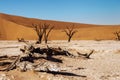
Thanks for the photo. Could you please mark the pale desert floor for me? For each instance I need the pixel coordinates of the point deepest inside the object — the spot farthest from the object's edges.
(103, 65)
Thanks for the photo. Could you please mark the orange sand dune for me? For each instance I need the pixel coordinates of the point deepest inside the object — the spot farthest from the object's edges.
(12, 31)
(13, 27)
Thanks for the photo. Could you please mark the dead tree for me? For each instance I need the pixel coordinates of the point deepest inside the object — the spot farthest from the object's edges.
(46, 31)
(87, 55)
(20, 39)
(70, 31)
(39, 31)
(117, 35)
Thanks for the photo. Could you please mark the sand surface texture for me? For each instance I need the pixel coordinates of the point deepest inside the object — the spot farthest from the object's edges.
(104, 63)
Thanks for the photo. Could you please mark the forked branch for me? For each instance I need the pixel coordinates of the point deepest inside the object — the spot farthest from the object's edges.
(70, 31)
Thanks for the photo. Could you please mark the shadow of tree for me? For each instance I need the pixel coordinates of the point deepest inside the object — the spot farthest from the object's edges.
(64, 73)
(49, 58)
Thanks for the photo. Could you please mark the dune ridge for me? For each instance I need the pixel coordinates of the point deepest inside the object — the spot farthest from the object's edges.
(13, 27)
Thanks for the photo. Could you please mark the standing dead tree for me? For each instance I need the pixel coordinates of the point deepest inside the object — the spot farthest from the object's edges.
(70, 31)
(46, 30)
(42, 30)
(117, 34)
(39, 30)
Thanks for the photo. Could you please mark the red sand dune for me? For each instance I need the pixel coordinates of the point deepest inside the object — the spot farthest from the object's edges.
(13, 27)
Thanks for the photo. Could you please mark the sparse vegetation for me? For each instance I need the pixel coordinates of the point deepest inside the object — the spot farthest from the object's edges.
(39, 30)
(46, 31)
(42, 30)
(117, 35)
(70, 31)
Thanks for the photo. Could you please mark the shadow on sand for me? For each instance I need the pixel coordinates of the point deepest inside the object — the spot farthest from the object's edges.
(64, 73)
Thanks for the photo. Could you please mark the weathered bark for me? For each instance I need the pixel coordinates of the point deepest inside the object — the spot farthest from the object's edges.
(12, 65)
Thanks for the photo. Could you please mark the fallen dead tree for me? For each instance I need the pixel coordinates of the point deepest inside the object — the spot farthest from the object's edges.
(50, 64)
(87, 55)
(12, 65)
(49, 51)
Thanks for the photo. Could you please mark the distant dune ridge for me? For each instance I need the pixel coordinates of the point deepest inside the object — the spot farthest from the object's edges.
(13, 27)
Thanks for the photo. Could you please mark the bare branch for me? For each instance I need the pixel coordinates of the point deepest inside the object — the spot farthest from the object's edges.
(70, 31)
(50, 30)
(39, 31)
(46, 34)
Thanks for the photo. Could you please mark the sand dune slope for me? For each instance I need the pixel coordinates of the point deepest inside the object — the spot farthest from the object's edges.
(13, 27)
(12, 31)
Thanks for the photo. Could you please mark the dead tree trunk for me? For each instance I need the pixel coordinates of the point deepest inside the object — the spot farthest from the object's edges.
(69, 38)
(40, 39)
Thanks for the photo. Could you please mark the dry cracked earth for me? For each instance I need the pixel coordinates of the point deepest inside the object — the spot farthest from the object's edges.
(104, 63)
